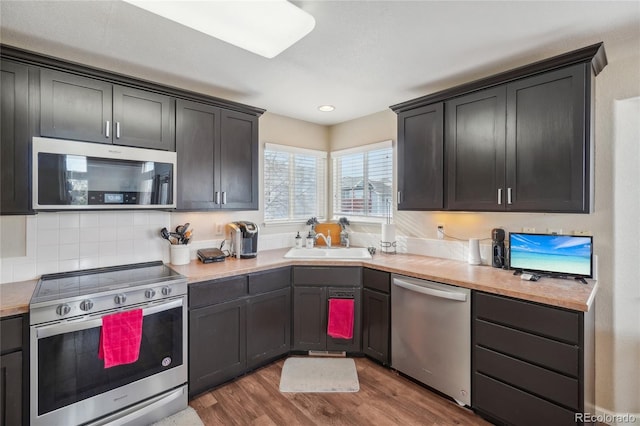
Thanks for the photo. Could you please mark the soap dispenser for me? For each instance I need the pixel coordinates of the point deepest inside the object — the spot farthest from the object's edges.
(298, 240)
(310, 240)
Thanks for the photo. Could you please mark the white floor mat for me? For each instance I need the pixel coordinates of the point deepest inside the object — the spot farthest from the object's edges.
(319, 375)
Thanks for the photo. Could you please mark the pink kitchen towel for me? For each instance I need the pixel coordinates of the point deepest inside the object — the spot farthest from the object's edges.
(340, 324)
(120, 338)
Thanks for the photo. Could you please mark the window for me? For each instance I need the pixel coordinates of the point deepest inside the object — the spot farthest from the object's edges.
(294, 183)
(363, 181)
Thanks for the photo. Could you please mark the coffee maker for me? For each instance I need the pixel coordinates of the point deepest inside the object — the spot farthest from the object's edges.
(497, 247)
(244, 239)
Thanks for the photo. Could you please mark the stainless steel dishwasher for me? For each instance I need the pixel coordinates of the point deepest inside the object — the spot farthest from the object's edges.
(431, 335)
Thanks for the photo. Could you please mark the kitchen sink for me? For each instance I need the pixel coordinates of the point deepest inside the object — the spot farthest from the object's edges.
(337, 253)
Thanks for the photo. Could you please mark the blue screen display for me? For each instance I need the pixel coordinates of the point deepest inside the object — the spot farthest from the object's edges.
(558, 254)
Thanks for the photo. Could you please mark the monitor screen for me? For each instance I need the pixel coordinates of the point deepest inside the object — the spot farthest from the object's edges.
(554, 254)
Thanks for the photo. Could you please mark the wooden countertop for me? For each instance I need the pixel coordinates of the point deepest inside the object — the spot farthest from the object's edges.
(15, 297)
(570, 294)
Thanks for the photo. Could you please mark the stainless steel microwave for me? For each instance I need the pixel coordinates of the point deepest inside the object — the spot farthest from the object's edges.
(69, 175)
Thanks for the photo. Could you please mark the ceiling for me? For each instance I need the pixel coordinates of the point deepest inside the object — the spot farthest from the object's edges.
(361, 57)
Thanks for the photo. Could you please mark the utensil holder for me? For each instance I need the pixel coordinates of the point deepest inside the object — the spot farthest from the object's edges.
(474, 252)
(180, 254)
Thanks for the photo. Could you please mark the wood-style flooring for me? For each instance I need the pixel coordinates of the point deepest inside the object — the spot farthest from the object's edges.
(385, 398)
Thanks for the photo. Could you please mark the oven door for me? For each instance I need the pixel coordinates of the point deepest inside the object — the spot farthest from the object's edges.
(69, 384)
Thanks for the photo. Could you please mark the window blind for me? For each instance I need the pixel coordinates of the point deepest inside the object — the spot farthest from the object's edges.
(363, 181)
(294, 183)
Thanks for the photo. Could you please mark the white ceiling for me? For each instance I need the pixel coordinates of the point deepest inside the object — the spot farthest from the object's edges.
(361, 57)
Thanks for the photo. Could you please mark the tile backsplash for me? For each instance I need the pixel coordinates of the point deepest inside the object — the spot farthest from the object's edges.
(67, 241)
(60, 242)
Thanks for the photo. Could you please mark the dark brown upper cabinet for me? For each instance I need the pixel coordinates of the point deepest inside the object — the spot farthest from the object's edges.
(420, 158)
(217, 158)
(475, 146)
(14, 139)
(520, 146)
(548, 156)
(92, 110)
(517, 141)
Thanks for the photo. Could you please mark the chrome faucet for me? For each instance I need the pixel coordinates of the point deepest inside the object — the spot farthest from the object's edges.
(327, 240)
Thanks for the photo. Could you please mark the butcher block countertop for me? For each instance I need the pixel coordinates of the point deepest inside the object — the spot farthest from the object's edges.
(570, 294)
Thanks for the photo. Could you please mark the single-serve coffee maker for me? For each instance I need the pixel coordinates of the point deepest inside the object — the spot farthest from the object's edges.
(243, 236)
(498, 256)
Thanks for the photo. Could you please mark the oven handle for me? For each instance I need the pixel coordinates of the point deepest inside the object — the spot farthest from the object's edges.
(85, 323)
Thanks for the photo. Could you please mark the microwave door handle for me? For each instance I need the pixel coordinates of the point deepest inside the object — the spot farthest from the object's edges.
(92, 321)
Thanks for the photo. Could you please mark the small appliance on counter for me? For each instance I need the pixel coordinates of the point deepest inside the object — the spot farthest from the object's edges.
(244, 239)
(210, 255)
(497, 247)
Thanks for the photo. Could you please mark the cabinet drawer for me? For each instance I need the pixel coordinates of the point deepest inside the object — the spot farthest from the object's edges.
(10, 334)
(264, 282)
(544, 320)
(327, 275)
(212, 292)
(539, 350)
(556, 387)
(516, 407)
(376, 280)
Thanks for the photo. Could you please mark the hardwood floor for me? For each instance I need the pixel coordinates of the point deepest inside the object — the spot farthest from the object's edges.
(385, 398)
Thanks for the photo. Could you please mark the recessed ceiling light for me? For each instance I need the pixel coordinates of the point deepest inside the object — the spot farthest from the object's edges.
(263, 27)
(326, 108)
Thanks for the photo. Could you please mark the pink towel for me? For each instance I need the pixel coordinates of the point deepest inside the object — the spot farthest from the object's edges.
(340, 324)
(120, 338)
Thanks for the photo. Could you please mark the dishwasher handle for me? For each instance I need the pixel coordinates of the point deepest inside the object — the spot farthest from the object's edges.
(460, 297)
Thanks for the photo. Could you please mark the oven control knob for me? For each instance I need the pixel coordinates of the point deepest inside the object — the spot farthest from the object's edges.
(150, 293)
(166, 291)
(86, 305)
(63, 309)
(120, 299)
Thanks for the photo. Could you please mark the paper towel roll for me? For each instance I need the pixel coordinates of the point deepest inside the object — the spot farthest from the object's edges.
(388, 238)
(474, 252)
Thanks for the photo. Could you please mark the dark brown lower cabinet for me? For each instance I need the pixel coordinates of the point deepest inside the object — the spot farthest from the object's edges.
(13, 372)
(313, 286)
(376, 315)
(218, 349)
(268, 326)
(237, 324)
(532, 363)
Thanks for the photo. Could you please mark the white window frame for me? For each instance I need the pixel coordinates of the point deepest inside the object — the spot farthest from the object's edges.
(321, 190)
(357, 150)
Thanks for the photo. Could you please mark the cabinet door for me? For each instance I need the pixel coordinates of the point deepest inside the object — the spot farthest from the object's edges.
(74, 107)
(197, 137)
(309, 318)
(475, 147)
(217, 344)
(143, 119)
(547, 146)
(239, 161)
(268, 326)
(420, 159)
(376, 325)
(14, 139)
(11, 389)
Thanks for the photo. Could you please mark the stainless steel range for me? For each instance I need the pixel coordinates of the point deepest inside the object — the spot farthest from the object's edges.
(69, 383)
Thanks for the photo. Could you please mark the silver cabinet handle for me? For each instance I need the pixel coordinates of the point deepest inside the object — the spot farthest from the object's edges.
(216, 199)
(461, 297)
(106, 129)
(499, 195)
(399, 197)
(508, 195)
(224, 197)
(117, 130)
